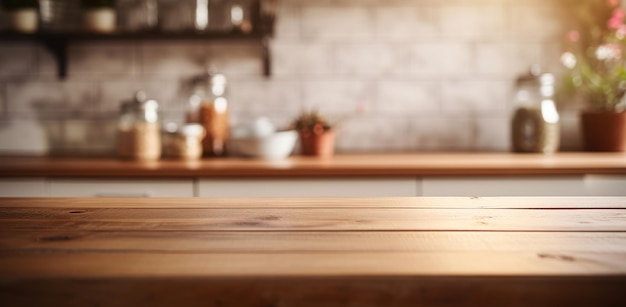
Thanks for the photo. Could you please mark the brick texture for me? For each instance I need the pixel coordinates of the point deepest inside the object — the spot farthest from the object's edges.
(430, 75)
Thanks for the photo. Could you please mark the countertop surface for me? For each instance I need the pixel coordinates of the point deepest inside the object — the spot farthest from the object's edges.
(418, 164)
(313, 252)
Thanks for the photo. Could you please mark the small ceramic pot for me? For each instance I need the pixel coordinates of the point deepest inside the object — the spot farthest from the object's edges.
(23, 20)
(318, 144)
(101, 20)
(604, 131)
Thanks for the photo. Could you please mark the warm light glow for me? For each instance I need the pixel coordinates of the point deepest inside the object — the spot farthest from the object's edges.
(568, 59)
(236, 15)
(202, 14)
(220, 105)
(548, 110)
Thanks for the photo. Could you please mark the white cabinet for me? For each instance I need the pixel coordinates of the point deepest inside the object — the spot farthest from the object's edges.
(582, 185)
(120, 188)
(605, 185)
(23, 187)
(574, 185)
(309, 187)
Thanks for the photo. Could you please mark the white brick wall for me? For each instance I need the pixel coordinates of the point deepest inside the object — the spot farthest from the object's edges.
(432, 75)
(18, 60)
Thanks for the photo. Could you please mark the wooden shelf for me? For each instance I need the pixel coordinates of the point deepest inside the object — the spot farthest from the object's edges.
(57, 42)
(369, 165)
(79, 36)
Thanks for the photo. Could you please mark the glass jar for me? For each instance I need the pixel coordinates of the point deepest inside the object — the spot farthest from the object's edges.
(535, 124)
(201, 15)
(59, 15)
(99, 16)
(209, 107)
(138, 131)
(140, 15)
(239, 19)
(184, 142)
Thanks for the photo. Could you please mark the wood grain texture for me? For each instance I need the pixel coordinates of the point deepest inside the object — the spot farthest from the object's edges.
(313, 252)
(34, 242)
(310, 264)
(504, 203)
(421, 164)
(378, 219)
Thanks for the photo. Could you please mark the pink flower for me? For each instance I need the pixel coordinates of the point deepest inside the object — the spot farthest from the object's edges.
(618, 13)
(573, 36)
(617, 19)
(614, 24)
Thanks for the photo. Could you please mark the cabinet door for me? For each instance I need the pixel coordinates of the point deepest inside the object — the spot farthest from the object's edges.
(504, 186)
(23, 187)
(120, 188)
(605, 185)
(322, 187)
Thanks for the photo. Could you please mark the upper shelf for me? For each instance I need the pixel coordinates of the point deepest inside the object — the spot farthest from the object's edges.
(82, 36)
(57, 42)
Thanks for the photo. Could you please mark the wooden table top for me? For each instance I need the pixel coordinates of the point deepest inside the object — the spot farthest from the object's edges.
(313, 252)
(419, 164)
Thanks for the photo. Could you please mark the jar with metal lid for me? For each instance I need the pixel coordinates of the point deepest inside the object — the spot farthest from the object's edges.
(535, 124)
(138, 131)
(209, 107)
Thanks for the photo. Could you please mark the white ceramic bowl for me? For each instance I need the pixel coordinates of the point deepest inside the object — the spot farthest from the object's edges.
(278, 145)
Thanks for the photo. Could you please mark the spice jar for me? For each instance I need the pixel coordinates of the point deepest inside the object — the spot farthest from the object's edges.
(209, 99)
(183, 142)
(138, 132)
(239, 18)
(535, 125)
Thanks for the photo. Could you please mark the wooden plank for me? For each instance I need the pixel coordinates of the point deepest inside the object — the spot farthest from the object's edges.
(327, 292)
(309, 219)
(340, 165)
(300, 242)
(309, 265)
(263, 252)
(329, 202)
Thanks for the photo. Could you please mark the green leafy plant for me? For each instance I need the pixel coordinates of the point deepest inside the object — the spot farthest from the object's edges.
(595, 55)
(92, 4)
(13, 5)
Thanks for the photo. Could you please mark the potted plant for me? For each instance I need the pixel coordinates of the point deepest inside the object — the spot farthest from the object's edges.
(317, 137)
(597, 72)
(99, 15)
(21, 15)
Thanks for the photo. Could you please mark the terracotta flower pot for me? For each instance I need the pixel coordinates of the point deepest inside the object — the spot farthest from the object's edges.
(318, 144)
(604, 131)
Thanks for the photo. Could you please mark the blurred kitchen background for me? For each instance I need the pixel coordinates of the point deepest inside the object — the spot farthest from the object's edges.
(428, 75)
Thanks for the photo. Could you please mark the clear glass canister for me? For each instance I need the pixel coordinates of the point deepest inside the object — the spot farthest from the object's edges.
(239, 16)
(209, 107)
(138, 131)
(140, 15)
(535, 124)
(184, 143)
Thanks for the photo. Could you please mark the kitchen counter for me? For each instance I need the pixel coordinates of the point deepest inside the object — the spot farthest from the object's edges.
(419, 164)
(313, 252)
